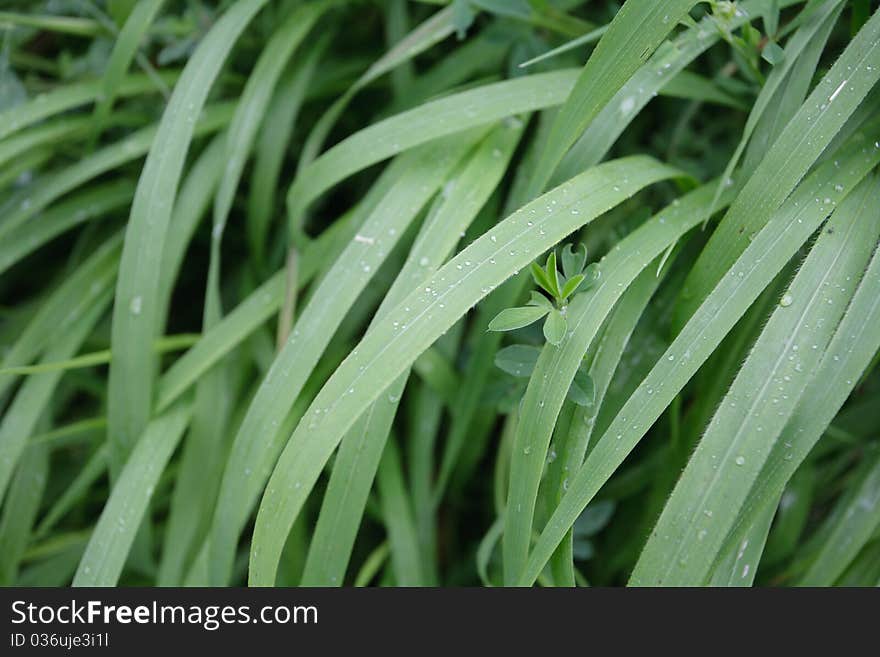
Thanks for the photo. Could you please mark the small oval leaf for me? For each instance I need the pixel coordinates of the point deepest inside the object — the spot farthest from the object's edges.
(514, 318)
(555, 327)
(573, 261)
(518, 359)
(582, 390)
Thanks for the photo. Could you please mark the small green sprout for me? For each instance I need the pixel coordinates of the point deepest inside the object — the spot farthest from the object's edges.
(750, 45)
(576, 276)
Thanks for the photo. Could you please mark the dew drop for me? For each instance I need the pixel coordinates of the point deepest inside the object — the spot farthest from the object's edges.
(136, 305)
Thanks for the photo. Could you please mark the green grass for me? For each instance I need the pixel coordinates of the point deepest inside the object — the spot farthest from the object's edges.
(337, 292)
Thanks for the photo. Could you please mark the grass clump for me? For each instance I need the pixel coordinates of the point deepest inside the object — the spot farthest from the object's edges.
(326, 292)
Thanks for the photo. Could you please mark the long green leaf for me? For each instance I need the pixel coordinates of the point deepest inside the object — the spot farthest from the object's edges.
(731, 454)
(22, 505)
(30, 402)
(849, 528)
(810, 38)
(68, 97)
(604, 360)
(636, 31)
(257, 442)
(255, 98)
(111, 541)
(135, 319)
(95, 203)
(433, 30)
(362, 447)
(124, 50)
(856, 339)
(432, 120)
(73, 298)
(416, 323)
(402, 538)
(557, 365)
(763, 258)
(821, 116)
(52, 187)
(272, 143)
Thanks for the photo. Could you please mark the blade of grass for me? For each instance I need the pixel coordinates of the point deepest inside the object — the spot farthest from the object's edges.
(717, 374)
(604, 359)
(113, 536)
(808, 41)
(57, 131)
(557, 366)
(636, 31)
(190, 206)
(738, 563)
(56, 570)
(849, 528)
(125, 48)
(20, 419)
(161, 345)
(479, 54)
(249, 315)
(256, 96)
(72, 433)
(432, 31)
(821, 116)
(362, 447)
(372, 565)
(483, 344)
(402, 539)
(664, 66)
(772, 247)
(204, 451)
(788, 100)
(135, 316)
(73, 25)
(108, 158)
(92, 204)
(93, 468)
(857, 338)
(585, 39)
(67, 97)
(691, 86)
(20, 511)
(792, 515)
(865, 570)
(420, 320)
(438, 118)
(72, 299)
(702, 508)
(272, 143)
(257, 444)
